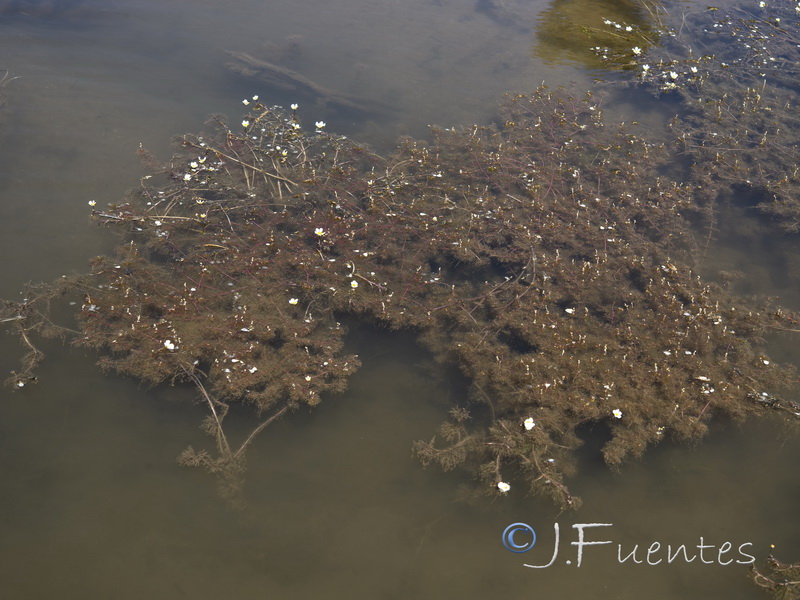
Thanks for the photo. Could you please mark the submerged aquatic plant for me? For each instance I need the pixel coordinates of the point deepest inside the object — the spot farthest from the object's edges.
(735, 74)
(551, 258)
(782, 580)
(546, 258)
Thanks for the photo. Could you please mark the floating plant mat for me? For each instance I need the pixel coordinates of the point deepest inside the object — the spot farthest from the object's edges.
(546, 259)
(735, 73)
(549, 258)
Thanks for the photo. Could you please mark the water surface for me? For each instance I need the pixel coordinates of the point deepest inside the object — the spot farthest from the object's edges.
(92, 501)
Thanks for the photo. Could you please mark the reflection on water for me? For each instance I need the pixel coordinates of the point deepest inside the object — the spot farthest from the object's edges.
(93, 504)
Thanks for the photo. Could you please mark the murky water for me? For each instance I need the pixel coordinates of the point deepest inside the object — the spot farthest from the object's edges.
(92, 502)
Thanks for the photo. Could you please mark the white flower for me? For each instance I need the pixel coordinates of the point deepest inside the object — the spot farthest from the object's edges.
(294, 106)
(319, 124)
(20, 384)
(354, 284)
(569, 311)
(293, 300)
(169, 345)
(693, 69)
(636, 50)
(193, 164)
(187, 177)
(245, 123)
(319, 231)
(92, 203)
(529, 424)
(245, 101)
(503, 486)
(673, 74)
(645, 68)
(255, 98)
(617, 413)
(308, 378)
